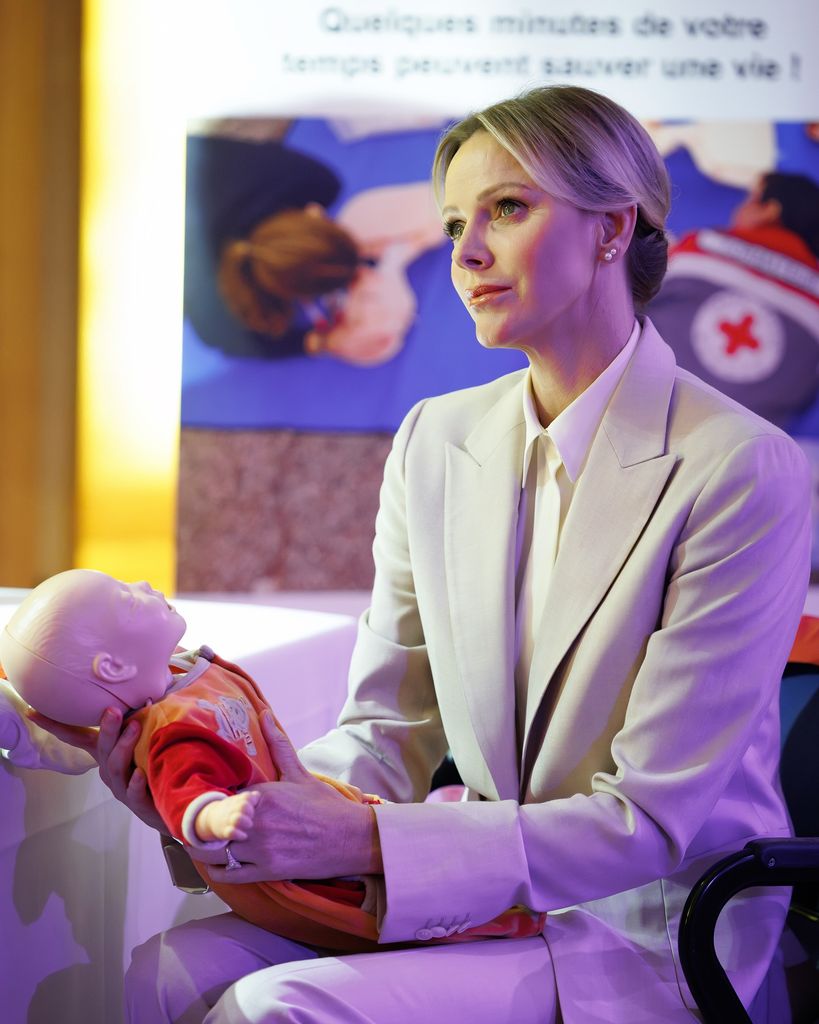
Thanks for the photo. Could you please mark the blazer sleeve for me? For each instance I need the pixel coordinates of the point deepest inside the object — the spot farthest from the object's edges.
(736, 586)
(389, 738)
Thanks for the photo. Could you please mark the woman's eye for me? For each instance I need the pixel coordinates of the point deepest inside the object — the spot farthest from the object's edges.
(506, 207)
(453, 229)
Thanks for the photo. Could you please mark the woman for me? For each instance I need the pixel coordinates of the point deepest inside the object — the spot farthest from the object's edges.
(593, 617)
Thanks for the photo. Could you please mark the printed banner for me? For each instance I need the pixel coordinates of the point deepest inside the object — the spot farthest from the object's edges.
(272, 202)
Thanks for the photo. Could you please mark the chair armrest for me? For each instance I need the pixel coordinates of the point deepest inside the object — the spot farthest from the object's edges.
(761, 862)
(790, 855)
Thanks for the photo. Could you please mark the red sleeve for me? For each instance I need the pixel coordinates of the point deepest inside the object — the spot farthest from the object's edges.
(185, 761)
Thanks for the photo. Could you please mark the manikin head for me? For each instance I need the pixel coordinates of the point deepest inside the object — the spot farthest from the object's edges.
(83, 641)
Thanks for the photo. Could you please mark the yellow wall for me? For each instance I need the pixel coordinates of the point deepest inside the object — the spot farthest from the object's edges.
(39, 146)
(91, 201)
(130, 293)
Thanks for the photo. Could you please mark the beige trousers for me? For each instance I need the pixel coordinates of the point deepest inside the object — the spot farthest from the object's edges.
(222, 970)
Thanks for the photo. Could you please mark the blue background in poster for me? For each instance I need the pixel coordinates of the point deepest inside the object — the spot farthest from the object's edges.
(440, 353)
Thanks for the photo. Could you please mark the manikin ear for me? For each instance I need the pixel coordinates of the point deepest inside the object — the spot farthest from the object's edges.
(617, 227)
(111, 670)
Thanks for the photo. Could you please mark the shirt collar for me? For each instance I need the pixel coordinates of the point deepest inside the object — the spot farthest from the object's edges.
(572, 432)
(189, 665)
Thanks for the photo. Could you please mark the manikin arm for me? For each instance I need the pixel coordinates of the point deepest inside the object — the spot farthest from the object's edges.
(27, 745)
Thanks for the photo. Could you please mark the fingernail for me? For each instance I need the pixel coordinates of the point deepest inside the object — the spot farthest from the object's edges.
(131, 729)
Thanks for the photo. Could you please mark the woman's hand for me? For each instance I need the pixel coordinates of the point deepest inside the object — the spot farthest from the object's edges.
(112, 747)
(24, 744)
(303, 828)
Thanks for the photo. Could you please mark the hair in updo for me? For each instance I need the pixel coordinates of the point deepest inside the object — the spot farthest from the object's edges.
(293, 255)
(585, 149)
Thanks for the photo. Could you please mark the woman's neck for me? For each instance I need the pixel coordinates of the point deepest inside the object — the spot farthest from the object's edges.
(563, 368)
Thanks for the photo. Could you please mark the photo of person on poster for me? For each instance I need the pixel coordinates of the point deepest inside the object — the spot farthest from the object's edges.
(740, 304)
(295, 280)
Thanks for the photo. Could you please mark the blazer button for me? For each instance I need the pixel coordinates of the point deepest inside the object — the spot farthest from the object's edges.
(437, 932)
(424, 934)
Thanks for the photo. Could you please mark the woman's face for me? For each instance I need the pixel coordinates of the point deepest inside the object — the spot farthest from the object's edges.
(523, 262)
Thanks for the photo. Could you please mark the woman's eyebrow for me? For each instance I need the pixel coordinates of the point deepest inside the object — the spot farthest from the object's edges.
(501, 186)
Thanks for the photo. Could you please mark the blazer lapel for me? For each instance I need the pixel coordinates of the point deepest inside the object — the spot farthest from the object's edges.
(626, 471)
(480, 508)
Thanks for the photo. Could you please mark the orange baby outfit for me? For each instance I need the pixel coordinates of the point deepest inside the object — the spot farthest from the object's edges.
(205, 736)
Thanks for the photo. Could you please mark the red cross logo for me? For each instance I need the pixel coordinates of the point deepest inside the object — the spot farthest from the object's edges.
(736, 338)
(738, 335)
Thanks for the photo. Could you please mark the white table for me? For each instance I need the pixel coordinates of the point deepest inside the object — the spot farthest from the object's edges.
(82, 881)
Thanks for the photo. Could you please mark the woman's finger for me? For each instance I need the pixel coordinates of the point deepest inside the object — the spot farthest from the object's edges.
(235, 876)
(139, 800)
(109, 732)
(282, 750)
(116, 753)
(80, 736)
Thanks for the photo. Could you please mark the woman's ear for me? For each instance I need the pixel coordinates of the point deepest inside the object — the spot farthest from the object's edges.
(110, 669)
(617, 227)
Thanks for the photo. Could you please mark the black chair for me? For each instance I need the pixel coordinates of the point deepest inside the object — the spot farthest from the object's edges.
(789, 862)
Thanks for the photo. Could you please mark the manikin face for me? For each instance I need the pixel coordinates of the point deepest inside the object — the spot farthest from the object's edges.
(141, 630)
(82, 641)
(523, 261)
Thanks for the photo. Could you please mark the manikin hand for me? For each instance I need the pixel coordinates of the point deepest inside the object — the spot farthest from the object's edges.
(303, 828)
(227, 819)
(112, 747)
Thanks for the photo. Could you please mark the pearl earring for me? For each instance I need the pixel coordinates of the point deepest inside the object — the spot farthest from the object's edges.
(609, 256)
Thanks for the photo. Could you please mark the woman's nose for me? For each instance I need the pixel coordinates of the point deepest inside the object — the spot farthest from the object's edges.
(471, 251)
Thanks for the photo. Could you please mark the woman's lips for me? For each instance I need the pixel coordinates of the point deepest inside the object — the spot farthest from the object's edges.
(484, 293)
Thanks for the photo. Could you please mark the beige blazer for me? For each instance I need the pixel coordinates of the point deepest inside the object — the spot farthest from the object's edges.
(651, 742)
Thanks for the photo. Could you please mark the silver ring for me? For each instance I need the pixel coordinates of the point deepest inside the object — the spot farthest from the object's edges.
(231, 863)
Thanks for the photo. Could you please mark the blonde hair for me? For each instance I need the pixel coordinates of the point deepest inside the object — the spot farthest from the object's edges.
(585, 149)
(293, 255)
